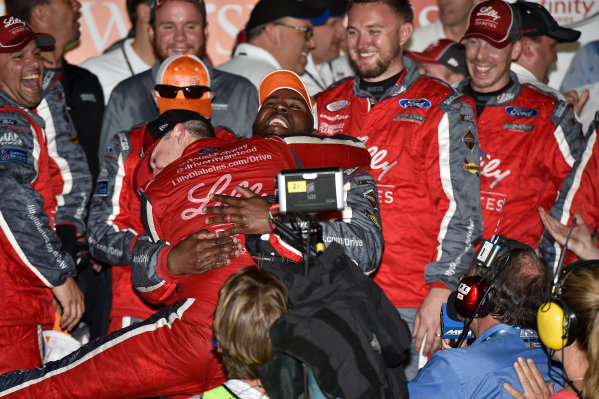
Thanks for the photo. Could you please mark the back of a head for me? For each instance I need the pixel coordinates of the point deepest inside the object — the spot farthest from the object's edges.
(22, 8)
(132, 9)
(520, 287)
(249, 302)
(401, 7)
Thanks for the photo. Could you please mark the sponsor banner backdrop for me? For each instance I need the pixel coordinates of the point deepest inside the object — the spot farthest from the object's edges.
(105, 21)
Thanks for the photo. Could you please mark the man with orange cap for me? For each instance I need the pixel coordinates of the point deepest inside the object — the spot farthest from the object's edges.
(182, 82)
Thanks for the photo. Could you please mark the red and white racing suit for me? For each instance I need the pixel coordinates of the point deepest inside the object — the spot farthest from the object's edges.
(580, 191)
(423, 141)
(30, 252)
(115, 222)
(529, 142)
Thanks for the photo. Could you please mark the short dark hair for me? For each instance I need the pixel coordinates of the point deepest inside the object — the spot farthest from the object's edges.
(22, 8)
(403, 8)
(521, 285)
(249, 302)
(199, 128)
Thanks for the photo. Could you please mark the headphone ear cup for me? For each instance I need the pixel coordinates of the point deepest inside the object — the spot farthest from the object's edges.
(556, 324)
(470, 293)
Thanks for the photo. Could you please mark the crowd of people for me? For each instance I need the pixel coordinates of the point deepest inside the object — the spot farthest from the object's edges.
(140, 208)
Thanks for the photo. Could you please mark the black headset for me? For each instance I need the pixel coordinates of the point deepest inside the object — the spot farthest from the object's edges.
(474, 296)
(556, 322)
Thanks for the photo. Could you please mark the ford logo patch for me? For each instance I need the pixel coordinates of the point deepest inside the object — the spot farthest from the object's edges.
(519, 112)
(209, 149)
(415, 103)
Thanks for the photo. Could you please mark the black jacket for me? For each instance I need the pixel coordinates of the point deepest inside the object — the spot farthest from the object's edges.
(343, 327)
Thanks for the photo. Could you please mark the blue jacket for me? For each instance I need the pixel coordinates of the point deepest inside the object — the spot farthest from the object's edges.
(479, 370)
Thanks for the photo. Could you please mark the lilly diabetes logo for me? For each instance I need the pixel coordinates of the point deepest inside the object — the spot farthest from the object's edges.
(519, 112)
(415, 103)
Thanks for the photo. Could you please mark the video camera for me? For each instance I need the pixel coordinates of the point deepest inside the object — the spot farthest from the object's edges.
(310, 190)
(302, 193)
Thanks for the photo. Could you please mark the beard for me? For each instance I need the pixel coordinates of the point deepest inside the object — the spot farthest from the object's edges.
(380, 67)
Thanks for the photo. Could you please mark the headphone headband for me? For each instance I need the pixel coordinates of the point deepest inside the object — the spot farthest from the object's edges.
(556, 322)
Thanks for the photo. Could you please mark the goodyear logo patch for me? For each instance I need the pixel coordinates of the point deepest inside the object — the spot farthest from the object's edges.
(470, 167)
(415, 103)
(519, 112)
(102, 188)
(336, 105)
(208, 150)
(469, 140)
(13, 154)
(410, 117)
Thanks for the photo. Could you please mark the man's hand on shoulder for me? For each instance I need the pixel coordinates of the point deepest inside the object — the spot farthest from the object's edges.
(428, 321)
(201, 252)
(70, 303)
(249, 215)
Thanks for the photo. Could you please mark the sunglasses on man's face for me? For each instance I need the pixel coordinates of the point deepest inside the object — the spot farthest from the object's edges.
(190, 92)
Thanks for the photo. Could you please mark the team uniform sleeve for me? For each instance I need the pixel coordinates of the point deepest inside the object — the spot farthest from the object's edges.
(360, 231)
(68, 156)
(113, 121)
(579, 191)
(109, 233)
(457, 199)
(26, 233)
(150, 273)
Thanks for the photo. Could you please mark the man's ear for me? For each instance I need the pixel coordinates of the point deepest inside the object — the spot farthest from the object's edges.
(272, 32)
(39, 15)
(516, 50)
(179, 133)
(151, 34)
(155, 97)
(525, 44)
(405, 31)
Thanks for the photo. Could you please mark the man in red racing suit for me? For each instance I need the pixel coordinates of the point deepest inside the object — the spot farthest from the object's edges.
(423, 140)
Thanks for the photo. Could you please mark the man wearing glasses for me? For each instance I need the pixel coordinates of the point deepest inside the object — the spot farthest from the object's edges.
(279, 36)
(178, 27)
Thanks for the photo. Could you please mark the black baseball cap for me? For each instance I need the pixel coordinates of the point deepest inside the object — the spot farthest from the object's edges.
(537, 21)
(337, 8)
(266, 11)
(169, 119)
